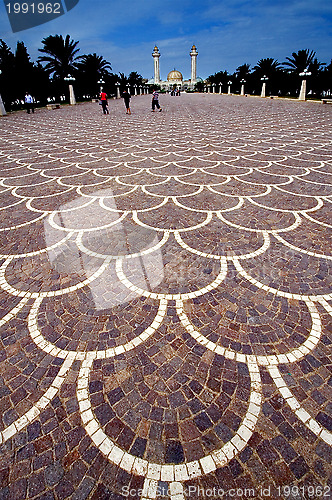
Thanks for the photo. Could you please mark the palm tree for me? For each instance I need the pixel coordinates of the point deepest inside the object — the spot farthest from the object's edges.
(243, 71)
(219, 77)
(61, 55)
(123, 81)
(90, 69)
(134, 78)
(329, 67)
(94, 65)
(271, 69)
(315, 67)
(300, 60)
(267, 66)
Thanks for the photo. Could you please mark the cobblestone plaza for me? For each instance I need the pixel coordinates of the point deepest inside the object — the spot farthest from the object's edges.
(166, 301)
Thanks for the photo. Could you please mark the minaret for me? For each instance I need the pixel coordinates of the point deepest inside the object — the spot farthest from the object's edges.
(193, 55)
(156, 55)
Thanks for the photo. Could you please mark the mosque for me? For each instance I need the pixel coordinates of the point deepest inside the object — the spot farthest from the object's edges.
(174, 77)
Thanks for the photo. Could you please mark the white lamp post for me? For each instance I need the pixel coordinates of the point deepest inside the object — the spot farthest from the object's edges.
(135, 89)
(72, 99)
(2, 107)
(117, 90)
(242, 86)
(220, 84)
(229, 86)
(213, 88)
(303, 90)
(101, 82)
(140, 90)
(264, 79)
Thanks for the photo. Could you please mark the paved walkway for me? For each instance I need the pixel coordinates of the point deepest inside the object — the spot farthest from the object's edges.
(166, 301)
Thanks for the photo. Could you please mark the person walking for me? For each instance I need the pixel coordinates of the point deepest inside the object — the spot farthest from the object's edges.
(126, 97)
(28, 99)
(155, 100)
(104, 103)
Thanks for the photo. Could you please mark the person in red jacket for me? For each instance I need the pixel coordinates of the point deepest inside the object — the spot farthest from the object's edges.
(104, 103)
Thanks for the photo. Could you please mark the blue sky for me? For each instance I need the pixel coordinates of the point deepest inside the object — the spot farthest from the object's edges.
(227, 33)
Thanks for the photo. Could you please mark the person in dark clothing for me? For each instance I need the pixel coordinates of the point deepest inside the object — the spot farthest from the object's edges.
(104, 103)
(126, 97)
(155, 100)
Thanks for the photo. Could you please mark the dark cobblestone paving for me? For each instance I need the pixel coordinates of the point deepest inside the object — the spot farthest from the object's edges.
(165, 301)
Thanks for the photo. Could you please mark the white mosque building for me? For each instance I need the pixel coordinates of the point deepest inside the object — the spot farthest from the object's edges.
(174, 77)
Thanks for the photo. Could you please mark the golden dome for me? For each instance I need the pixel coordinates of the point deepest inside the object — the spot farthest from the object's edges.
(174, 75)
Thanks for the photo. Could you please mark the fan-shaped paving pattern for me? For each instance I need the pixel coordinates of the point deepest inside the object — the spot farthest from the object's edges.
(249, 321)
(164, 404)
(165, 298)
(289, 270)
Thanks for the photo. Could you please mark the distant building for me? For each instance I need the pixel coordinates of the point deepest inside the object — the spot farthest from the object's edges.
(174, 77)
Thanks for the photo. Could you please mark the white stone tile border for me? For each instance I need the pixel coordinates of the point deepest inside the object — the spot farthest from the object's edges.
(11, 314)
(22, 200)
(283, 210)
(163, 180)
(171, 473)
(272, 361)
(297, 408)
(282, 183)
(117, 177)
(155, 207)
(169, 296)
(196, 210)
(150, 209)
(191, 228)
(259, 195)
(327, 306)
(86, 230)
(150, 490)
(25, 293)
(16, 186)
(295, 224)
(33, 198)
(37, 252)
(182, 178)
(251, 156)
(69, 357)
(41, 404)
(9, 228)
(302, 195)
(250, 255)
(317, 221)
(55, 351)
(176, 490)
(292, 356)
(275, 291)
(259, 170)
(314, 182)
(301, 250)
(146, 251)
